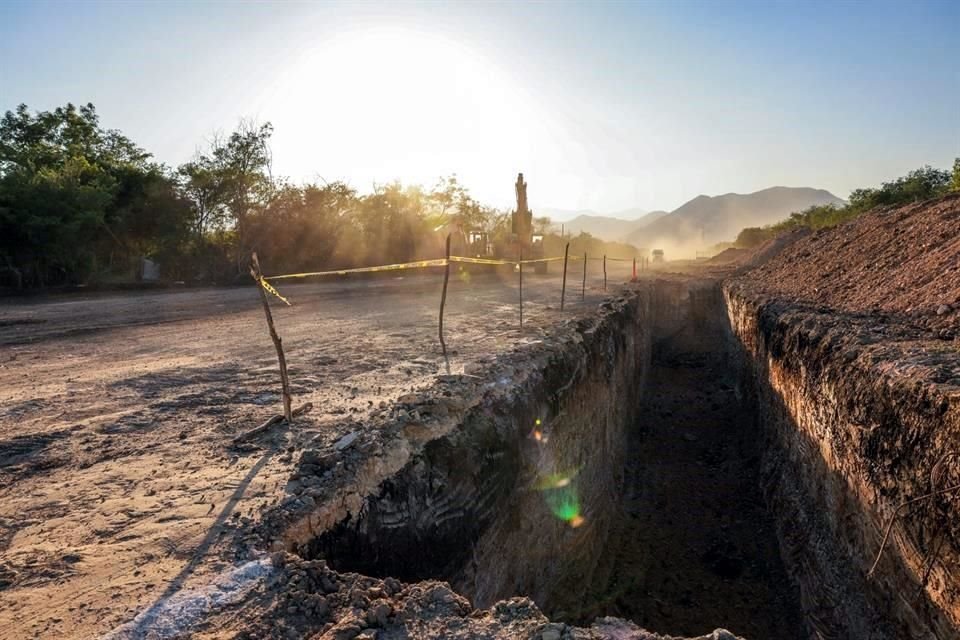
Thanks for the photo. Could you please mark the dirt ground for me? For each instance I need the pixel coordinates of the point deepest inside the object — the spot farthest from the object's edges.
(119, 484)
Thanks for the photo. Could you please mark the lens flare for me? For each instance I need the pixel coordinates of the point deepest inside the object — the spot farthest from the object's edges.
(565, 504)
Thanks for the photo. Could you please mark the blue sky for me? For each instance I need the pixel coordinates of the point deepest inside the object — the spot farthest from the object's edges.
(602, 105)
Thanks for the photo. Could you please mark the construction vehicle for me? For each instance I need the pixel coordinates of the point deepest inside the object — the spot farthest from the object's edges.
(657, 255)
(521, 242)
(522, 236)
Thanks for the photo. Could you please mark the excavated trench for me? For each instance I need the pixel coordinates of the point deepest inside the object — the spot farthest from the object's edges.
(634, 470)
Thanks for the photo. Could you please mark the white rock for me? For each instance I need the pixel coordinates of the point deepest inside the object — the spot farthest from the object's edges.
(346, 441)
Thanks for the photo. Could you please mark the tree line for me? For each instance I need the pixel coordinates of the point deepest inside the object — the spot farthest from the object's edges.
(80, 203)
(920, 184)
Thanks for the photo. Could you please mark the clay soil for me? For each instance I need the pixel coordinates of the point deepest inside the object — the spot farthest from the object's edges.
(119, 480)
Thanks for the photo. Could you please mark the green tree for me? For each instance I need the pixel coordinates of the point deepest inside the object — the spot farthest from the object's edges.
(73, 197)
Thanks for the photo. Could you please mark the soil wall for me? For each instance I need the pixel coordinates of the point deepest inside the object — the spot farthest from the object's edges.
(852, 431)
(512, 494)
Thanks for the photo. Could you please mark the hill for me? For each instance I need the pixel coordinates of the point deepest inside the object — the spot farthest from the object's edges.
(707, 220)
(612, 228)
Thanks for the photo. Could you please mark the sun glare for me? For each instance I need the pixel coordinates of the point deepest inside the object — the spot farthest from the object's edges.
(400, 103)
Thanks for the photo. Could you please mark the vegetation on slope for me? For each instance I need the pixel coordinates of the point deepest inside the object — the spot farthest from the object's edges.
(921, 184)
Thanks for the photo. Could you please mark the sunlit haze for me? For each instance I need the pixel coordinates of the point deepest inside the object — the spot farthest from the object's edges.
(603, 106)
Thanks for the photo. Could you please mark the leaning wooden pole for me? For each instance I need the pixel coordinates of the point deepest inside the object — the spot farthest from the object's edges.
(277, 342)
(604, 272)
(563, 287)
(443, 296)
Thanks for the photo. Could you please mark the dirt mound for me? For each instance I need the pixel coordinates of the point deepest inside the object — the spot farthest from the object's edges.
(771, 248)
(727, 256)
(899, 261)
(307, 599)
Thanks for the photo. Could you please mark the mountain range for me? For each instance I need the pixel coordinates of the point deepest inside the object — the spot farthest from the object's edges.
(700, 223)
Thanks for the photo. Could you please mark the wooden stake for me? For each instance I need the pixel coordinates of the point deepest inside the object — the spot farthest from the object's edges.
(583, 290)
(563, 289)
(284, 379)
(521, 287)
(443, 297)
(604, 272)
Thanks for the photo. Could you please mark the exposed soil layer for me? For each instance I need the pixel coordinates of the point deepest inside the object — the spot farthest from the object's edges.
(852, 336)
(696, 547)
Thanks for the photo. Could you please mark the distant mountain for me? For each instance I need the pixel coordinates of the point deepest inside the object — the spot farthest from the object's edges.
(562, 215)
(613, 227)
(705, 220)
(603, 227)
(651, 217)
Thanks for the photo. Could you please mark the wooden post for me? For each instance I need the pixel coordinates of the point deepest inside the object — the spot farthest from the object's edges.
(604, 272)
(443, 297)
(633, 278)
(583, 290)
(520, 265)
(284, 379)
(563, 289)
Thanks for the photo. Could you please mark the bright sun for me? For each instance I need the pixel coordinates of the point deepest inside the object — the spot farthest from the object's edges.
(390, 102)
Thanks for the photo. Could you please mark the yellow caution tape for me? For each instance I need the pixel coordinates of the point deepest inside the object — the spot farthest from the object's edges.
(480, 260)
(387, 267)
(498, 262)
(439, 262)
(542, 260)
(266, 285)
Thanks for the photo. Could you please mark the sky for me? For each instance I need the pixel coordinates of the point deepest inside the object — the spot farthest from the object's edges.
(603, 106)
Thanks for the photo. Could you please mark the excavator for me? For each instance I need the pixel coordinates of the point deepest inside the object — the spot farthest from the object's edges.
(522, 242)
(522, 236)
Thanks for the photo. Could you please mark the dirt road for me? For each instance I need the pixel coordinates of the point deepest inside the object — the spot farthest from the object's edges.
(118, 481)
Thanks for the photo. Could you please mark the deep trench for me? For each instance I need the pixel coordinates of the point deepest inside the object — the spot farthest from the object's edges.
(690, 545)
(695, 547)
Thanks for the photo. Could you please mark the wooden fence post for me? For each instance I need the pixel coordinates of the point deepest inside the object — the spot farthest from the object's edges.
(284, 379)
(563, 289)
(443, 297)
(604, 272)
(583, 290)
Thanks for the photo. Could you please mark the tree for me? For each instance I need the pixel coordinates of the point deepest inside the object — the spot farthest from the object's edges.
(244, 161)
(73, 196)
(955, 178)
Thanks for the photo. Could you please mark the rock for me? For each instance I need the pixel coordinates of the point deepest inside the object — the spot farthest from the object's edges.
(944, 309)
(379, 613)
(316, 461)
(346, 441)
(552, 631)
